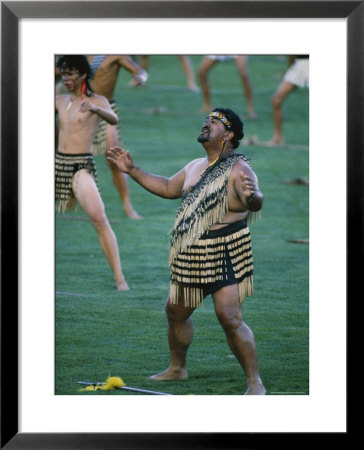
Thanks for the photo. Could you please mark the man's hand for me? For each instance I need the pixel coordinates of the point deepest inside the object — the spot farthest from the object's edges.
(251, 195)
(248, 185)
(120, 158)
(139, 79)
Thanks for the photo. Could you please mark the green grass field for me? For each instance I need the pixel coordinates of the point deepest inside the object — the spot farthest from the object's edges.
(101, 332)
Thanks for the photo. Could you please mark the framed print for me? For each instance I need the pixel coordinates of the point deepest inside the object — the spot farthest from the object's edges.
(32, 416)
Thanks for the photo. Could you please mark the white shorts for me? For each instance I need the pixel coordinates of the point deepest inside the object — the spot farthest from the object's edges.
(221, 58)
(298, 73)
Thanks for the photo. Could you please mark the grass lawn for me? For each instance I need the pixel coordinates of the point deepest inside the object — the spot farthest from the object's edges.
(102, 332)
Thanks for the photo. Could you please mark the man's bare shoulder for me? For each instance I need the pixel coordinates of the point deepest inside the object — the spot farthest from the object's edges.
(194, 162)
(111, 59)
(119, 60)
(242, 165)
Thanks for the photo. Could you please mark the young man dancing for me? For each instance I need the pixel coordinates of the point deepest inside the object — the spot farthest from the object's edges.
(79, 114)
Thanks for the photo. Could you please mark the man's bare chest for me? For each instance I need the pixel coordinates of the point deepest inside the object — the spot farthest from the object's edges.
(193, 175)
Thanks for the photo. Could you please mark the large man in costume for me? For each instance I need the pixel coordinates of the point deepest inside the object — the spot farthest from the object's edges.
(210, 245)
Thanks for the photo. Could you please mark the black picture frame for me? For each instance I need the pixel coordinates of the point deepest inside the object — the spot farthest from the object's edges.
(11, 12)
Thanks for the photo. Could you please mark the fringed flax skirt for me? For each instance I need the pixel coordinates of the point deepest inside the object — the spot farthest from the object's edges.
(99, 146)
(219, 258)
(66, 166)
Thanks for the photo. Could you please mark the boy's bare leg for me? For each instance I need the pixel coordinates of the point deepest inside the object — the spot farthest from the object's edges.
(239, 336)
(86, 192)
(180, 335)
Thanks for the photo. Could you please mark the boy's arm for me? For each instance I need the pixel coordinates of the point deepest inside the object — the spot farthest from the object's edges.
(100, 105)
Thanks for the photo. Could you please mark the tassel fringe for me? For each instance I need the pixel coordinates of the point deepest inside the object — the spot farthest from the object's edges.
(195, 260)
(99, 145)
(205, 205)
(66, 166)
(110, 384)
(193, 296)
(205, 262)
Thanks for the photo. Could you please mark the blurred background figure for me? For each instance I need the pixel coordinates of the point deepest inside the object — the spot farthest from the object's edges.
(105, 71)
(241, 61)
(187, 68)
(296, 76)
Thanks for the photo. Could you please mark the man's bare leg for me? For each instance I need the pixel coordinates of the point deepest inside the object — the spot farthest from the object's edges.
(242, 65)
(144, 62)
(180, 335)
(205, 67)
(86, 192)
(239, 336)
(188, 71)
(120, 179)
(281, 93)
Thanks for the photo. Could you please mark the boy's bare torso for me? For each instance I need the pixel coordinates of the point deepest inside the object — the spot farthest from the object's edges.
(77, 129)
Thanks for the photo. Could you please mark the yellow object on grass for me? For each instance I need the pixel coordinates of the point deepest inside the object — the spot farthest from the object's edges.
(110, 384)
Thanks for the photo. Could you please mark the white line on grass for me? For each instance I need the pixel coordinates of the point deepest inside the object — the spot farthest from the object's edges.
(70, 293)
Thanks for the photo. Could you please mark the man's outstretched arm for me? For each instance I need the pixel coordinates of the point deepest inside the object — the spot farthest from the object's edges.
(165, 187)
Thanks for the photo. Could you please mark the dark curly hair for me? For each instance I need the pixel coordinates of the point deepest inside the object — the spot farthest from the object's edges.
(80, 63)
(237, 125)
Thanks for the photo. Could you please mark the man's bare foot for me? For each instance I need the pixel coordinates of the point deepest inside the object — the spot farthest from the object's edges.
(252, 115)
(256, 388)
(132, 214)
(122, 286)
(170, 374)
(193, 87)
(205, 108)
(274, 142)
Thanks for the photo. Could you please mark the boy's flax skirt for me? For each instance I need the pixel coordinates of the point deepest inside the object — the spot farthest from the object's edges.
(65, 168)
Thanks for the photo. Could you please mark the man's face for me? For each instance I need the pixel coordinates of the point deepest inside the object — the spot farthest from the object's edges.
(71, 78)
(213, 129)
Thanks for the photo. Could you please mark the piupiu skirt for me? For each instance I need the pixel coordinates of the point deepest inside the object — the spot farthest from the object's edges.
(219, 258)
(65, 168)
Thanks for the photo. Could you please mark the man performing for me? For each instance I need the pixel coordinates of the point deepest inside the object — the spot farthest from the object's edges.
(76, 179)
(104, 75)
(210, 245)
(241, 61)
